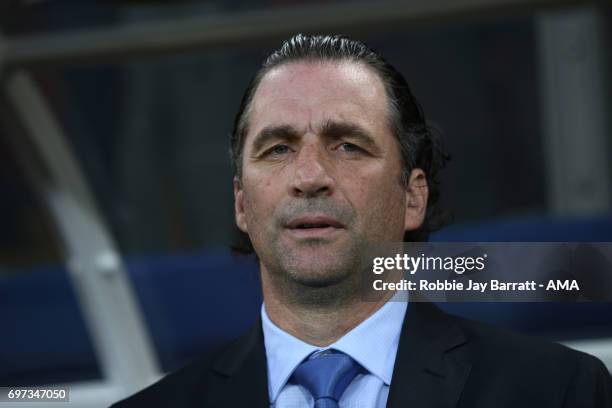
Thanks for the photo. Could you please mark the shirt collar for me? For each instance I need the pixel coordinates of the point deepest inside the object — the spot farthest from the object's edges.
(373, 344)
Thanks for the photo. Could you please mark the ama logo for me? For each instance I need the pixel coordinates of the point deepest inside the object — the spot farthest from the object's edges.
(566, 284)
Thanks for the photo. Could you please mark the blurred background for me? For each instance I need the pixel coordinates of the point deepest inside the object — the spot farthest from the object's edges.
(116, 207)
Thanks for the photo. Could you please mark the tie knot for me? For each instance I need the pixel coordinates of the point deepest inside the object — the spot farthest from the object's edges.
(326, 375)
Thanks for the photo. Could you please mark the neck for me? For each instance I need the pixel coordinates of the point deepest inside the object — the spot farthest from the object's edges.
(319, 324)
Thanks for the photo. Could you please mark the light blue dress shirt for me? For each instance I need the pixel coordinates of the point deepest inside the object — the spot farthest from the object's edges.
(373, 344)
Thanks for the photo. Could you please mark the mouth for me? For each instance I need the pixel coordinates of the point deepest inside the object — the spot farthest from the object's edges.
(314, 226)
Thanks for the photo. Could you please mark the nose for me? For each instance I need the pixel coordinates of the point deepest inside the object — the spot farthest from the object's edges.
(312, 178)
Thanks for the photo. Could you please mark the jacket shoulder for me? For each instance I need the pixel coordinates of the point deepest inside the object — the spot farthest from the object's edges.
(182, 387)
(529, 367)
(516, 348)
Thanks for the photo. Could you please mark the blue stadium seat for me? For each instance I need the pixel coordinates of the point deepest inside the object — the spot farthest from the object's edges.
(556, 320)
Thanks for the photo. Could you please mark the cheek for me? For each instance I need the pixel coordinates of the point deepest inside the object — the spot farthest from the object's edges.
(377, 186)
(388, 202)
(380, 200)
(260, 196)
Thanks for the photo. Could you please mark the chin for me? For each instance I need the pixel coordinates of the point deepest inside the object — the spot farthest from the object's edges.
(317, 265)
(319, 270)
(318, 278)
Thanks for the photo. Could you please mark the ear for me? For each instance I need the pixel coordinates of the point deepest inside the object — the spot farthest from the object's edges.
(417, 193)
(239, 213)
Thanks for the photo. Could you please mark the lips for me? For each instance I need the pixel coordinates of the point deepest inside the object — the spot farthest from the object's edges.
(313, 222)
(314, 227)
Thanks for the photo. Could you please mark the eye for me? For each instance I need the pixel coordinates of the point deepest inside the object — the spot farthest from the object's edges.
(349, 148)
(277, 150)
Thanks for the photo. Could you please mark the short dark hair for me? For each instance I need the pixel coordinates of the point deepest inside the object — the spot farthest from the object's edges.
(420, 144)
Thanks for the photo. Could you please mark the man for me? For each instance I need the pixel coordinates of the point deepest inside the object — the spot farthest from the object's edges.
(332, 153)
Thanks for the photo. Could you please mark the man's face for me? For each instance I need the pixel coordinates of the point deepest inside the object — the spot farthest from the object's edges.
(321, 172)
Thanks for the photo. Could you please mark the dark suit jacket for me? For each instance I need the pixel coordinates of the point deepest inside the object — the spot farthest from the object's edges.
(442, 361)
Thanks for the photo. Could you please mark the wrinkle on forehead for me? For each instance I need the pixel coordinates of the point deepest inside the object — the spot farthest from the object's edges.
(308, 93)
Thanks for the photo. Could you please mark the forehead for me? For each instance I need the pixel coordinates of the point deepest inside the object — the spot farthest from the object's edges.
(307, 94)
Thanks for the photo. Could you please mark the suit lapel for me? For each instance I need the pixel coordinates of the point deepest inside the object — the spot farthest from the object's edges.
(431, 366)
(243, 372)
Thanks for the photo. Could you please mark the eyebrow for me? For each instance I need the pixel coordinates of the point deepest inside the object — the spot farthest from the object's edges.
(336, 130)
(331, 129)
(278, 132)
